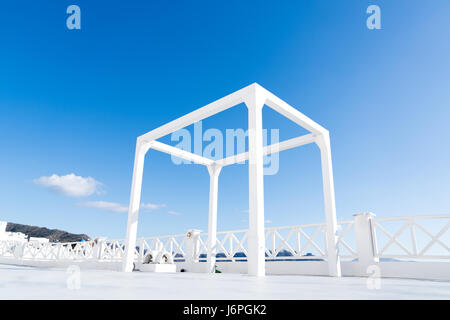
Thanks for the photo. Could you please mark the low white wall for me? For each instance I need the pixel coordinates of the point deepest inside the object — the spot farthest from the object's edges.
(415, 270)
(313, 268)
(400, 269)
(279, 267)
(388, 269)
(100, 265)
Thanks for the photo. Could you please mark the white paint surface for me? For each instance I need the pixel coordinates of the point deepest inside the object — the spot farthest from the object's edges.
(255, 97)
(41, 283)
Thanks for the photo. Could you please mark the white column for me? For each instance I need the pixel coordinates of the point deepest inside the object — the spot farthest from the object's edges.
(133, 211)
(19, 250)
(365, 241)
(256, 238)
(192, 251)
(334, 263)
(214, 172)
(140, 244)
(99, 244)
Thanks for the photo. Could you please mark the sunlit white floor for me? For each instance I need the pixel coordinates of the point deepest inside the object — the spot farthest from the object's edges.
(18, 282)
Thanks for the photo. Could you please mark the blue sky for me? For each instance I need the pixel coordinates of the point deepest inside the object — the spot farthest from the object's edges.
(74, 101)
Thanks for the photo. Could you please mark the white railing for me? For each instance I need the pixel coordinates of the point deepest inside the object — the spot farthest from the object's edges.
(230, 245)
(111, 250)
(285, 242)
(346, 240)
(174, 244)
(77, 250)
(34, 250)
(300, 242)
(8, 247)
(58, 251)
(41, 251)
(411, 238)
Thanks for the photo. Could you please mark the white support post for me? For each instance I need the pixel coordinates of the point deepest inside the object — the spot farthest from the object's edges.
(256, 238)
(365, 241)
(59, 252)
(19, 250)
(334, 263)
(214, 172)
(192, 249)
(133, 211)
(140, 244)
(99, 245)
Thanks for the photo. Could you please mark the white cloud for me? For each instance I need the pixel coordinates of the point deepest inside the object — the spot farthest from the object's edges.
(173, 213)
(117, 207)
(70, 185)
(104, 205)
(151, 206)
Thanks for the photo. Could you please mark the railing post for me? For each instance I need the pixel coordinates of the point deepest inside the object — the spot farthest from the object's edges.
(19, 250)
(98, 248)
(192, 246)
(58, 251)
(365, 239)
(140, 244)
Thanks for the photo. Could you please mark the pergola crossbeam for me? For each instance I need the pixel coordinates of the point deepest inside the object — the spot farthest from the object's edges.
(293, 114)
(273, 148)
(209, 110)
(180, 153)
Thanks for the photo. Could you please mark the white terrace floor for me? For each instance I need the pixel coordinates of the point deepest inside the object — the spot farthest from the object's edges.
(18, 282)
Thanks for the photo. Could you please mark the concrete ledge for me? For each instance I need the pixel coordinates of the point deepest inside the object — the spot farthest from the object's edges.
(100, 265)
(426, 270)
(157, 267)
(429, 270)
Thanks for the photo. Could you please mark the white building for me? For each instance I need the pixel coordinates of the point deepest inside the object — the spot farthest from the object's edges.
(17, 236)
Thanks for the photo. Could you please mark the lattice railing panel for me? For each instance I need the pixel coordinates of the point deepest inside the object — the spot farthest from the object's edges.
(421, 237)
(113, 250)
(346, 240)
(232, 245)
(296, 242)
(53, 251)
(7, 248)
(174, 244)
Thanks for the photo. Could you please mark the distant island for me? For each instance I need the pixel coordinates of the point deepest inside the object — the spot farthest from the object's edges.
(54, 235)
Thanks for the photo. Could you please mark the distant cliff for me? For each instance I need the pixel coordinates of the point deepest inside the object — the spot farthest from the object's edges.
(54, 235)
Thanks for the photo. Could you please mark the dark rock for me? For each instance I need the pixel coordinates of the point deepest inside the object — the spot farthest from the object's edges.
(54, 235)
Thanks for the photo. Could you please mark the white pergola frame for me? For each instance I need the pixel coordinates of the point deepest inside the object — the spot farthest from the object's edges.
(254, 97)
